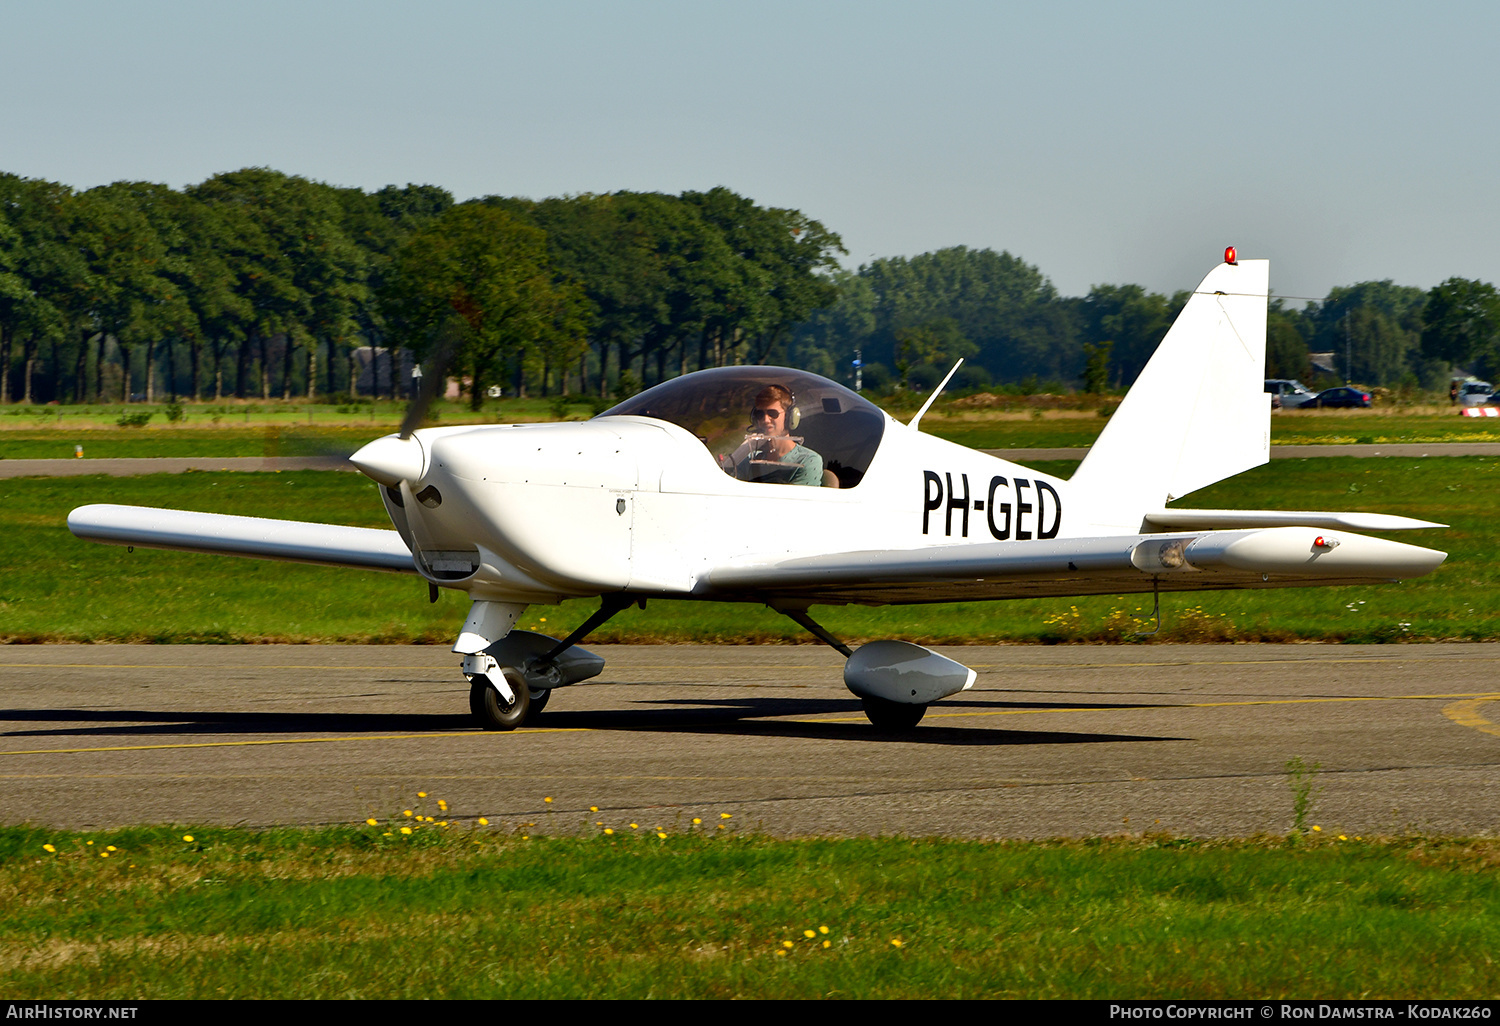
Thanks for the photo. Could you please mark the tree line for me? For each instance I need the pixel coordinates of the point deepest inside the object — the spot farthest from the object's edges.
(256, 283)
(259, 284)
(912, 318)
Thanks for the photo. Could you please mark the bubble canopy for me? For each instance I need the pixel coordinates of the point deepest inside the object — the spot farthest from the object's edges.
(714, 405)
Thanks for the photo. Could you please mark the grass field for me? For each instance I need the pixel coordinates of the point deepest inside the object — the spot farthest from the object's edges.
(1315, 427)
(302, 430)
(692, 911)
(57, 588)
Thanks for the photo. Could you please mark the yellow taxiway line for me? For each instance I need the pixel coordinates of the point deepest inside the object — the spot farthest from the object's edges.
(1466, 714)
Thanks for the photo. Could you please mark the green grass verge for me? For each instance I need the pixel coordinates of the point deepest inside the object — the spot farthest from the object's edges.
(479, 912)
(57, 588)
(219, 443)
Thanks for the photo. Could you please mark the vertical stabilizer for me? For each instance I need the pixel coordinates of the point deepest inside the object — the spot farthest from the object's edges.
(1197, 414)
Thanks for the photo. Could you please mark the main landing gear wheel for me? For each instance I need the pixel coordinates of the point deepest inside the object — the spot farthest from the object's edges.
(889, 715)
(490, 709)
(539, 697)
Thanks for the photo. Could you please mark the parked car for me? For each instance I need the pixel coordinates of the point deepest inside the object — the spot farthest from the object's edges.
(1287, 394)
(1342, 397)
(1476, 393)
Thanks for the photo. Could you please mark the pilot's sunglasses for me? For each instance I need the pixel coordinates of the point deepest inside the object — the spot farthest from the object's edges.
(771, 414)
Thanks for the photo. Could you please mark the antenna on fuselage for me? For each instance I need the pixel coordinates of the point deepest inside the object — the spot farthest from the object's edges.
(935, 393)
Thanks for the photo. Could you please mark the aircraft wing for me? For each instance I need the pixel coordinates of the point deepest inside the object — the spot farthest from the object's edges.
(326, 544)
(1277, 557)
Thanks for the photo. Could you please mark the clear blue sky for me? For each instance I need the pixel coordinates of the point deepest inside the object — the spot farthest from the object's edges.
(1104, 142)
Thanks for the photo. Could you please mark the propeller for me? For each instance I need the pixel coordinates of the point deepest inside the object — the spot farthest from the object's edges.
(393, 460)
(441, 355)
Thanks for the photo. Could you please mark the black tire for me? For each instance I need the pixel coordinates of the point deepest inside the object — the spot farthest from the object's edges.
(490, 709)
(539, 699)
(893, 715)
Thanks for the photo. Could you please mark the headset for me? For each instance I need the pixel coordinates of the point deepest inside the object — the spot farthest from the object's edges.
(793, 413)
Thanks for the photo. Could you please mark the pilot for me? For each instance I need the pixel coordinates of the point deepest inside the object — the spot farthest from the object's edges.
(769, 452)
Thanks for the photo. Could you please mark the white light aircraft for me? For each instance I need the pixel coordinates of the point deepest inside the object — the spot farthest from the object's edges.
(823, 499)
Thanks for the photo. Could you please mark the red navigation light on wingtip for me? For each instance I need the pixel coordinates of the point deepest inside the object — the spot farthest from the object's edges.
(1229, 255)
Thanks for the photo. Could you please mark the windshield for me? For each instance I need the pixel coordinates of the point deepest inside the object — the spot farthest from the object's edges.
(770, 424)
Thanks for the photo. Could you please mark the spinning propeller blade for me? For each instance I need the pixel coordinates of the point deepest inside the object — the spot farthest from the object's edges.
(442, 353)
(393, 460)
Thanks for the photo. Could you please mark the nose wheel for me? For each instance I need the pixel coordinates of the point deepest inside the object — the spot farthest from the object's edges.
(492, 710)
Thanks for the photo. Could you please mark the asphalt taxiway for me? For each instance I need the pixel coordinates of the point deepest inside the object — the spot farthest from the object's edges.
(1064, 741)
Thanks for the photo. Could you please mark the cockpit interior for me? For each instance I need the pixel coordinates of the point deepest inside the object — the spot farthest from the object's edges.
(717, 406)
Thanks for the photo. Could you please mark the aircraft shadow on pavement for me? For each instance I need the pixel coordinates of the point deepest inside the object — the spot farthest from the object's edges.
(748, 717)
(162, 723)
(754, 717)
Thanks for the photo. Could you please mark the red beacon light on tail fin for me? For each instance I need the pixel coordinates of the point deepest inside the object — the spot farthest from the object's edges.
(1229, 257)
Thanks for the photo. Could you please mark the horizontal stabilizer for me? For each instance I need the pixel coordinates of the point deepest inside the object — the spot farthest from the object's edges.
(291, 540)
(1228, 519)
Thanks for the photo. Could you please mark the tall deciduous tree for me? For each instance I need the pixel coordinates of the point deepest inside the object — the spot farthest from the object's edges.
(48, 270)
(784, 261)
(1287, 355)
(1462, 323)
(826, 342)
(1133, 320)
(155, 302)
(295, 253)
(379, 224)
(1374, 330)
(482, 274)
(14, 290)
(1004, 305)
